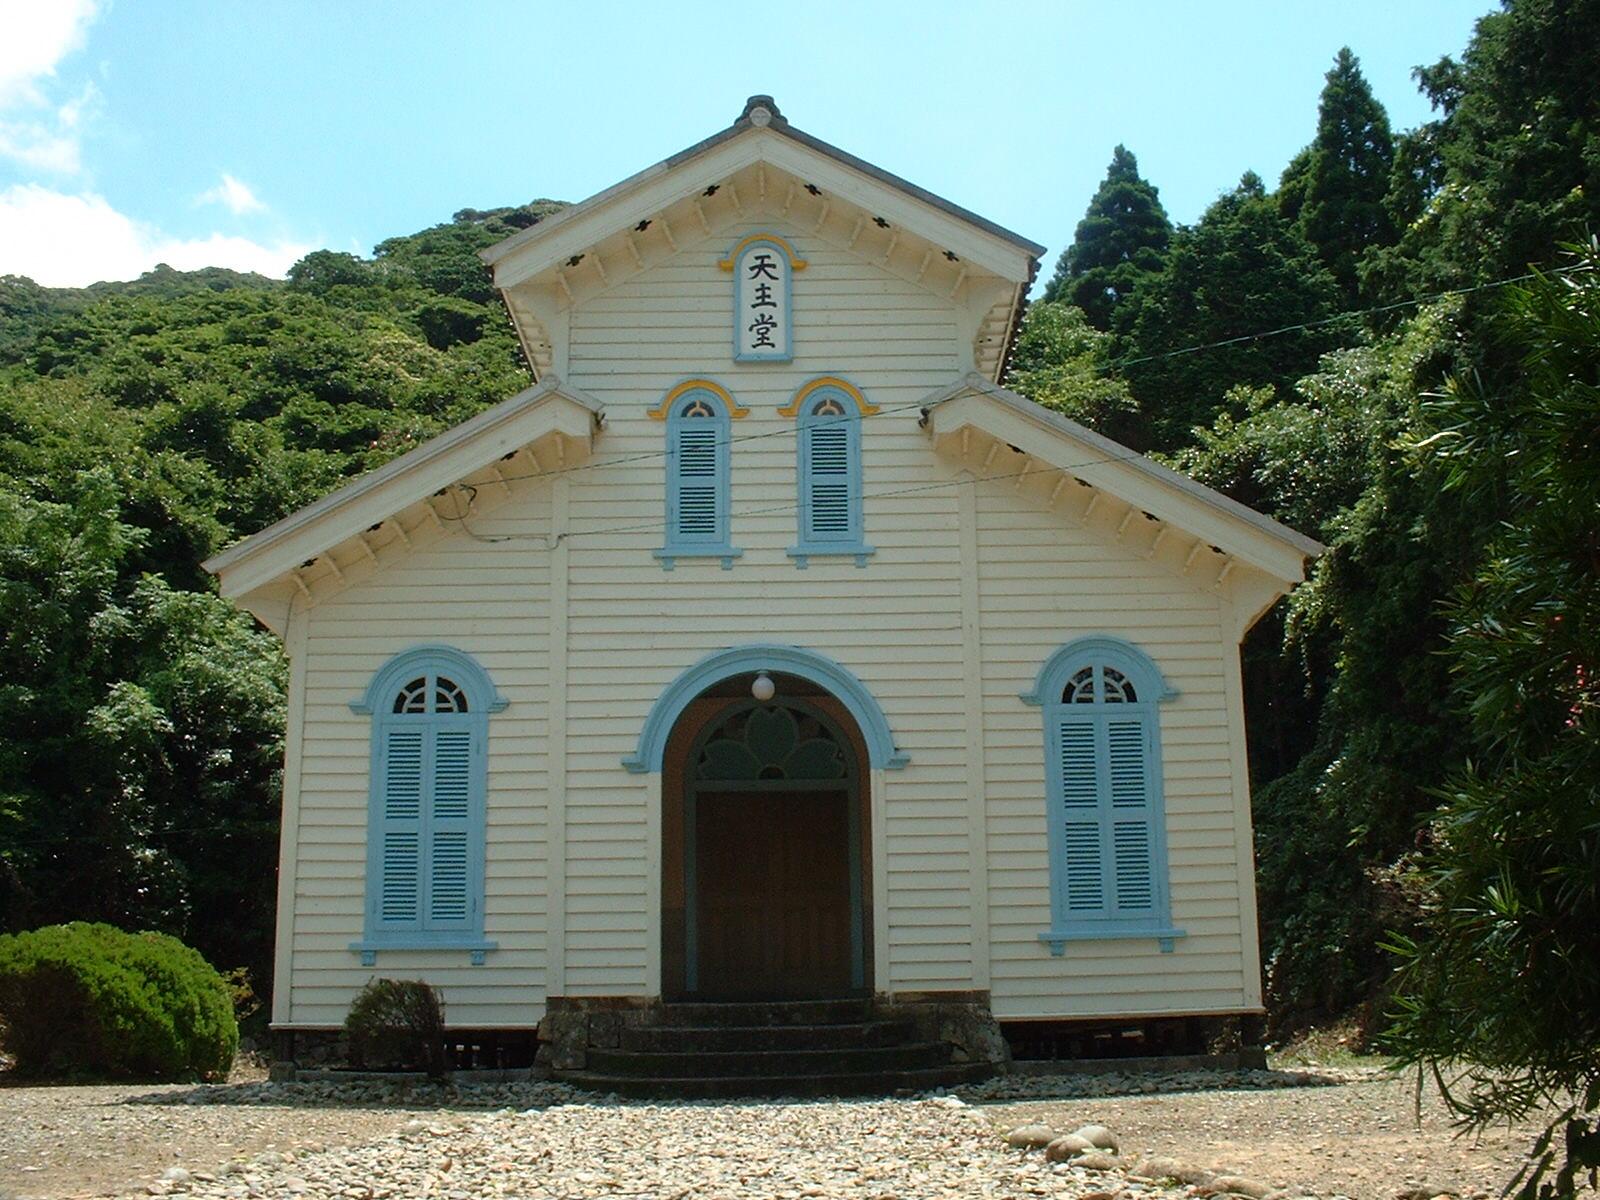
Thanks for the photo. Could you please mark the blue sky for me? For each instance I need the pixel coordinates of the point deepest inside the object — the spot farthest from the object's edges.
(234, 134)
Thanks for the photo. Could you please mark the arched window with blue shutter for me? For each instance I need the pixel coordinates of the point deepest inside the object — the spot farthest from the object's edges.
(430, 711)
(699, 478)
(828, 472)
(1103, 785)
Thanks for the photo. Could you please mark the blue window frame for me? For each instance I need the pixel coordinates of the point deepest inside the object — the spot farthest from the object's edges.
(430, 711)
(1107, 828)
(829, 475)
(699, 483)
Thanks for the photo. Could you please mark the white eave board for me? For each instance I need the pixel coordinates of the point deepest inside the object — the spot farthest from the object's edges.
(1253, 537)
(548, 407)
(575, 229)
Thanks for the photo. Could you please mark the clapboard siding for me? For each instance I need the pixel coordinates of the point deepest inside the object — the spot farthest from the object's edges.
(896, 623)
(492, 606)
(632, 627)
(1043, 582)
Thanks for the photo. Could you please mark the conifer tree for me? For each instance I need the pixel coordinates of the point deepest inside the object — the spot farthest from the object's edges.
(1511, 167)
(1122, 239)
(1340, 184)
(1241, 271)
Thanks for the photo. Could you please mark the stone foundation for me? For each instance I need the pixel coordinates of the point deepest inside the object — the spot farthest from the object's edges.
(307, 1049)
(962, 1020)
(573, 1025)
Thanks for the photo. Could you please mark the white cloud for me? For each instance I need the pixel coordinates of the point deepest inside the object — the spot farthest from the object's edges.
(37, 37)
(64, 240)
(71, 238)
(50, 142)
(234, 195)
(38, 146)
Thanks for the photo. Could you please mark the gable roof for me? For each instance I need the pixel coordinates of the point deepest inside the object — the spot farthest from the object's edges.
(549, 408)
(760, 112)
(790, 175)
(1162, 494)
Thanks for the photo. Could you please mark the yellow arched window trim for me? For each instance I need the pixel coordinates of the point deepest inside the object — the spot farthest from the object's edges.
(660, 411)
(792, 409)
(796, 263)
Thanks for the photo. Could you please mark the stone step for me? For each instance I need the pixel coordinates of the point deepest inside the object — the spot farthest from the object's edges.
(868, 1083)
(689, 1038)
(722, 1014)
(775, 1064)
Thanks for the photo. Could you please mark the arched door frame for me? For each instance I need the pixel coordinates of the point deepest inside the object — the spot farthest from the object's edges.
(809, 665)
(883, 757)
(851, 784)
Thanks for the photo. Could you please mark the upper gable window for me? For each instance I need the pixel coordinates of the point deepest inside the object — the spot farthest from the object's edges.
(699, 499)
(828, 472)
(1103, 782)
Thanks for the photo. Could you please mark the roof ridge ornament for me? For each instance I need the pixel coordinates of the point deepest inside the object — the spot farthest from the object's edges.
(760, 111)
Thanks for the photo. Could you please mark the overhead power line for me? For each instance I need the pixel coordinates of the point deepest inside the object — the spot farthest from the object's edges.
(1337, 317)
(791, 429)
(774, 509)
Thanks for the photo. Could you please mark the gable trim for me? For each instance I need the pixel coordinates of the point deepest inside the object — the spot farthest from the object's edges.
(325, 523)
(1264, 541)
(767, 117)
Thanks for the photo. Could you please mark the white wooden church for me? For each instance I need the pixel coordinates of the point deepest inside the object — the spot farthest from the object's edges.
(766, 651)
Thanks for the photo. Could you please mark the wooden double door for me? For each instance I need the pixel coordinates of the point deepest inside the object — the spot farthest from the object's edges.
(765, 884)
(772, 894)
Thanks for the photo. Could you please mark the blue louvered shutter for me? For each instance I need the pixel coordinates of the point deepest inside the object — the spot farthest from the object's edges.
(1128, 790)
(830, 484)
(426, 836)
(1081, 874)
(1107, 837)
(696, 485)
(1106, 817)
(450, 834)
(398, 899)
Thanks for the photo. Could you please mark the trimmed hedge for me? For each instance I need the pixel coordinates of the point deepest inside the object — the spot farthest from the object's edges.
(396, 1024)
(91, 999)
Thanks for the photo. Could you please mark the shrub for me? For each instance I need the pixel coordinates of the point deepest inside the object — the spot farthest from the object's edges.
(396, 1024)
(90, 999)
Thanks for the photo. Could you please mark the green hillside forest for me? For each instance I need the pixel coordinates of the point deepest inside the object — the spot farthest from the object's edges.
(1395, 348)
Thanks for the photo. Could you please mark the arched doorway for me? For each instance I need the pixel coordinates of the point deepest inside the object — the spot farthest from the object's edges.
(766, 891)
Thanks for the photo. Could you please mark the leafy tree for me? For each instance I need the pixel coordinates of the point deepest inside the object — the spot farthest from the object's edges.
(138, 778)
(1346, 175)
(142, 426)
(1059, 361)
(1505, 975)
(444, 259)
(1348, 721)
(322, 270)
(1511, 169)
(1122, 239)
(1242, 271)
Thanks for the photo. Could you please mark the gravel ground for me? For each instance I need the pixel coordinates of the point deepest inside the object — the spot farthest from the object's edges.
(93, 1141)
(1356, 1139)
(1362, 1139)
